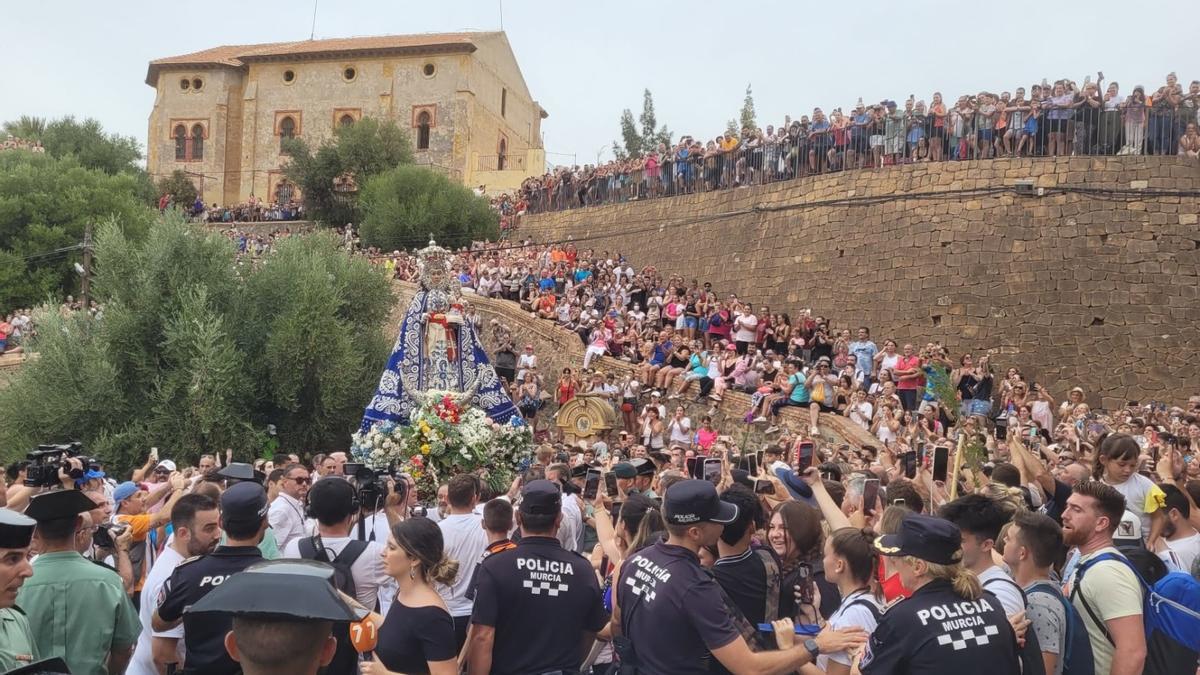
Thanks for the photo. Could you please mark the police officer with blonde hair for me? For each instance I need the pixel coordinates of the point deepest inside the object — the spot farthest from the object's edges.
(949, 625)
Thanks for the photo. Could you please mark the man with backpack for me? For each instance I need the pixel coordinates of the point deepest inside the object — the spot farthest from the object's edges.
(1106, 592)
(357, 564)
(1033, 543)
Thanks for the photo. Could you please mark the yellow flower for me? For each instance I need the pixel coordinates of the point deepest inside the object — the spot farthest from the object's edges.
(424, 448)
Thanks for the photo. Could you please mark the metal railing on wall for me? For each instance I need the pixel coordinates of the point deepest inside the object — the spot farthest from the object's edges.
(500, 163)
(883, 135)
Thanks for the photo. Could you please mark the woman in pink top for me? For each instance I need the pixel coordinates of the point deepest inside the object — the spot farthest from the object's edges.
(706, 435)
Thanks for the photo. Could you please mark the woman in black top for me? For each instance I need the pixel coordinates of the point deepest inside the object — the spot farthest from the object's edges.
(417, 637)
(974, 385)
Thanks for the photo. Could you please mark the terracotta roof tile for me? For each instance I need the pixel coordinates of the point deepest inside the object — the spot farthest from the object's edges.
(237, 55)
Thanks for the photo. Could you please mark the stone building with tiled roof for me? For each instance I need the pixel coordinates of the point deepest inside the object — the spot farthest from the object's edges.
(221, 114)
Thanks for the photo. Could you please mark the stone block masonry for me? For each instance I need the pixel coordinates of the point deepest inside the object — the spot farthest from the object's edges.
(1074, 288)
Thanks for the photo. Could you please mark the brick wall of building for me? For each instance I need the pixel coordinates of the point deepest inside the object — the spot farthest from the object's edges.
(1072, 288)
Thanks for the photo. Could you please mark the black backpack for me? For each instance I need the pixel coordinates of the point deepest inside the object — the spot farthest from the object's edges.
(345, 659)
(311, 548)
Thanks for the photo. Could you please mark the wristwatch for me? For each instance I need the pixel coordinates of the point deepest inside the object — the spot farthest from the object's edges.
(814, 650)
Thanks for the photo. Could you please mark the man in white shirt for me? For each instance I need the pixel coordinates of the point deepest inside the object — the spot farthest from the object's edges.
(287, 511)
(464, 540)
(196, 526)
(745, 327)
(332, 502)
(980, 518)
(1180, 544)
(571, 529)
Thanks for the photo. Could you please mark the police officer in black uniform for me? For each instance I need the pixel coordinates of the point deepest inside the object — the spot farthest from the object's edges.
(949, 625)
(669, 611)
(244, 519)
(537, 606)
(282, 617)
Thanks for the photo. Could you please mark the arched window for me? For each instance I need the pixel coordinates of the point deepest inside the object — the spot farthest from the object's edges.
(181, 140)
(197, 142)
(423, 130)
(502, 157)
(346, 120)
(287, 129)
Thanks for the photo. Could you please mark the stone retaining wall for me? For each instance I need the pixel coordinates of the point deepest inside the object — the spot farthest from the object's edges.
(1075, 289)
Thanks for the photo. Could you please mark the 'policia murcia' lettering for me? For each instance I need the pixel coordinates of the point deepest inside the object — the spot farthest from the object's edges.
(953, 610)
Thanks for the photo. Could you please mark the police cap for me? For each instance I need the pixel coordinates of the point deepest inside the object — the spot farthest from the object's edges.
(16, 530)
(58, 505)
(243, 503)
(642, 467)
(541, 498)
(241, 472)
(694, 501)
(624, 470)
(927, 538)
(275, 595)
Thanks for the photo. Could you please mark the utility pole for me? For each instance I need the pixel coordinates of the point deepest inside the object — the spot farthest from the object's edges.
(86, 283)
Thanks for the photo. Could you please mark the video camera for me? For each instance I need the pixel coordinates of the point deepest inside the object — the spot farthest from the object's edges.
(371, 485)
(48, 459)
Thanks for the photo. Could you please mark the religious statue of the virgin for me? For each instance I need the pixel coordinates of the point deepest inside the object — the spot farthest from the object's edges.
(437, 351)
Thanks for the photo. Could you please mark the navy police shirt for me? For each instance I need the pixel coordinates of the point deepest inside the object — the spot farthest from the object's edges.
(937, 632)
(672, 611)
(537, 583)
(204, 636)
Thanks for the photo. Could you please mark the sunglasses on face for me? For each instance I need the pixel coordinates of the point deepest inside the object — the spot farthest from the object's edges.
(301, 481)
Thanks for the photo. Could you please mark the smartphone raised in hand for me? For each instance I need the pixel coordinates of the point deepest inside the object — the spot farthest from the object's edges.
(870, 495)
(910, 464)
(610, 485)
(941, 461)
(712, 470)
(591, 484)
(804, 456)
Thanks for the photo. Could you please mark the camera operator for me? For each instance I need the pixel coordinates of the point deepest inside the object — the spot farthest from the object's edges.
(383, 502)
(108, 543)
(358, 565)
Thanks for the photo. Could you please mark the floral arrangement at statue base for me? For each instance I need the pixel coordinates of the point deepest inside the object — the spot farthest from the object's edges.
(444, 438)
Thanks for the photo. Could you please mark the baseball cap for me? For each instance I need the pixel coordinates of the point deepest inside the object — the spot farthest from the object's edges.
(244, 502)
(124, 491)
(541, 498)
(1129, 529)
(165, 464)
(928, 538)
(696, 501)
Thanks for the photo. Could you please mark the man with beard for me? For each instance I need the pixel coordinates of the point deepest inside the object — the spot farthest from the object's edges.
(194, 520)
(1107, 594)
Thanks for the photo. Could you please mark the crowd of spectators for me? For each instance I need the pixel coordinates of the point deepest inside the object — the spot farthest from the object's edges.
(1004, 501)
(12, 142)
(1062, 118)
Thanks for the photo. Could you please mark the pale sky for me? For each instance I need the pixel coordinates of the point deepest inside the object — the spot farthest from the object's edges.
(586, 61)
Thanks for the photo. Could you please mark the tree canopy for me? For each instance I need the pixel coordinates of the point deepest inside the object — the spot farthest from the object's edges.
(361, 150)
(403, 207)
(635, 142)
(195, 352)
(86, 141)
(180, 187)
(45, 204)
